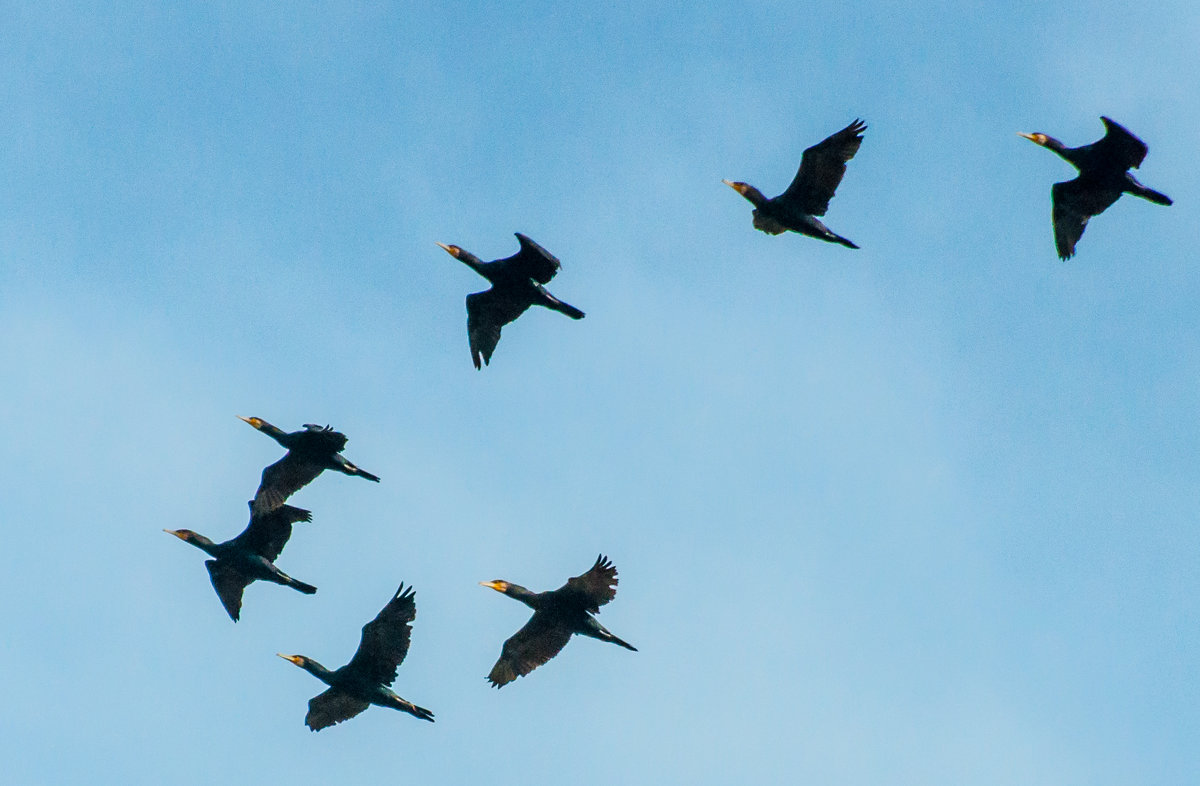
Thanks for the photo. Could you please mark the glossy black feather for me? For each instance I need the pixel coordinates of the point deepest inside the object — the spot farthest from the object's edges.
(517, 283)
(558, 614)
(1103, 177)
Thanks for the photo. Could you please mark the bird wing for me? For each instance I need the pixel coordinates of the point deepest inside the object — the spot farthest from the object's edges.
(538, 641)
(822, 168)
(533, 261)
(385, 639)
(268, 533)
(321, 439)
(1120, 145)
(283, 479)
(1074, 202)
(487, 312)
(594, 588)
(332, 707)
(229, 585)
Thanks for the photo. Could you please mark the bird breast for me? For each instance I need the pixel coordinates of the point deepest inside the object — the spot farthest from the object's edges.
(767, 224)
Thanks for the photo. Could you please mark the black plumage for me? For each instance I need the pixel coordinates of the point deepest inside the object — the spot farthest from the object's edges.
(250, 556)
(1103, 176)
(365, 679)
(309, 453)
(821, 170)
(556, 616)
(517, 283)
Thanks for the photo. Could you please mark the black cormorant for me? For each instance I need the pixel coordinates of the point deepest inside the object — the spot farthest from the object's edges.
(821, 170)
(516, 285)
(365, 679)
(1103, 176)
(556, 615)
(309, 452)
(250, 556)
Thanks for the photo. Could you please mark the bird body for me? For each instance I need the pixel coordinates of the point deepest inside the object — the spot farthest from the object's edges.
(250, 556)
(517, 283)
(348, 689)
(365, 680)
(822, 168)
(1103, 177)
(310, 452)
(557, 615)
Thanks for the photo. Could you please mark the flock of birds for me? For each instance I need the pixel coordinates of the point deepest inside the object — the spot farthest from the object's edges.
(518, 282)
(366, 679)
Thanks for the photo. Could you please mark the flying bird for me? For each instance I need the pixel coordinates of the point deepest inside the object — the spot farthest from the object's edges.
(556, 615)
(250, 556)
(821, 170)
(309, 453)
(365, 679)
(1103, 176)
(517, 283)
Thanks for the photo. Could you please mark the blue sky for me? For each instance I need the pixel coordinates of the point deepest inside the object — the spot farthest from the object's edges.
(920, 513)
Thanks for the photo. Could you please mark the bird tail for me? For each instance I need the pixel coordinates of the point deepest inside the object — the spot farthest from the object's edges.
(554, 304)
(1137, 189)
(350, 469)
(1156, 197)
(622, 642)
(568, 309)
(362, 473)
(607, 635)
(296, 584)
(836, 238)
(413, 709)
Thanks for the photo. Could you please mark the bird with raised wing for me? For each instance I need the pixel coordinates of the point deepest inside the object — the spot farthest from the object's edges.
(309, 453)
(365, 680)
(822, 168)
(517, 283)
(250, 556)
(557, 615)
(1103, 176)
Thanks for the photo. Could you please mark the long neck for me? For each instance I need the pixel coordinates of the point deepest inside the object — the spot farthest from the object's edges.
(205, 545)
(528, 597)
(275, 433)
(1068, 154)
(475, 263)
(754, 196)
(317, 670)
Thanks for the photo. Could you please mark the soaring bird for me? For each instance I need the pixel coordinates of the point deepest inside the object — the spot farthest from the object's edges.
(821, 170)
(516, 285)
(1103, 176)
(250, 556)
(309, 452)
(556, 615)
(365, 679)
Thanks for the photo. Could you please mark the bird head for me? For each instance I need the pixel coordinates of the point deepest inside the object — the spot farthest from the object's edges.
(299, 660)
(258, 423)
(186, 535)
(752, 194)
(453, 251)
(498, 585)
(1037, 139)
(738, 186)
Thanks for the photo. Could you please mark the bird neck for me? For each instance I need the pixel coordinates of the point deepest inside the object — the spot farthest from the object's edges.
(275, 433)
(1069, 154)
(754, 196)
(317, 670)
(517, 592)
(474, 262)
(204, 544)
